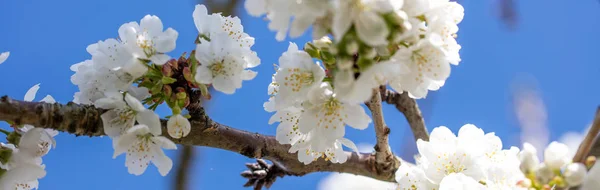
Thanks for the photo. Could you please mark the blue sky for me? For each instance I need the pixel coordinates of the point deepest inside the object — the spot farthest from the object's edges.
(556, 42)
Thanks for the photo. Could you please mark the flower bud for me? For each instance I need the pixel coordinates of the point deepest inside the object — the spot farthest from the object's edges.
(574, 174)
(528, 157)
(167, 90)
(187, 74)
(181, 95)
(369, 53)
(556, 155)
(323, 42)
(352, 48)
(166, 70)
(590, 161)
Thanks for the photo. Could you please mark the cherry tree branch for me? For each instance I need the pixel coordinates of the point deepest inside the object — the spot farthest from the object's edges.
(383, 152)
(410, 109)
(589, 145)
(84, 120)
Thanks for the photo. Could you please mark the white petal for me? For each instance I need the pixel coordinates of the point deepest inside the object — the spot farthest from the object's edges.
(256, 7)
(224, 85)
(166, 42)
(150, 119)
(356, 116)
(160, 59)
(248, 74)
(30, 94)
(134, 103)
(371, 28)
(164, 142)
(348, 143)
(162, 162)
(4, 56)
(48, 99)
(204, 75)
(152, 24)
(342, 19)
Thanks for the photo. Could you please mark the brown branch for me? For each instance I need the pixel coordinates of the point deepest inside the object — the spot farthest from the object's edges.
(586, 145)
(383, 153)
(85, 120)
(410, 109)
(186, 159)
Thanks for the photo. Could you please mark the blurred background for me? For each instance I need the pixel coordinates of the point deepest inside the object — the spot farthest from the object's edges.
(529, 72)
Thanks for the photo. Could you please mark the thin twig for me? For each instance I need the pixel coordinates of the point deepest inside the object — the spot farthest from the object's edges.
(586, 145)
(85, 120)
(186, 159)
(410, 109)
(383, 152)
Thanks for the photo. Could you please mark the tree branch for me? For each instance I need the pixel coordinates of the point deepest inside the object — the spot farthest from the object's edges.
(383, 153)
(186, 159)
(588, 145)
(410, 109)
(85, 120)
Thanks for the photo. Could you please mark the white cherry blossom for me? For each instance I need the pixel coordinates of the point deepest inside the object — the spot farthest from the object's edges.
(366, 17)
(556, 155)
(222, 64)
(4, 56)
(147, 40)
(324, 112)
(296, 76)
(124, 111)
(427, 64)
(178, 126)
(22, 170)
(142, 145)
(529, 159)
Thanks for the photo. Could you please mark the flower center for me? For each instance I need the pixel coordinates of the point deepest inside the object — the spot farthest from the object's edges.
(146, 43)
(219, 68)
(297, 79)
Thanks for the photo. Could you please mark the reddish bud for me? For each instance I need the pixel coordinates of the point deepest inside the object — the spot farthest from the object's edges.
(187, 74)
(167, 70)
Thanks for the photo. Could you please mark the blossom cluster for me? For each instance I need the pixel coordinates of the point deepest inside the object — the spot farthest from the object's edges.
(21, 157)
(470, 160)
(408, 44)
(556, 170)
(127, 74)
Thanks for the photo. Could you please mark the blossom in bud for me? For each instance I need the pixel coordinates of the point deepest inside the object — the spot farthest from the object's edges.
(556, 155)
(528, 157)
(590, 161)
(4, 56)
(187, 74)
(178, 126)
(351, 48)
(574, 174)
(167, 70)
(323, 42)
